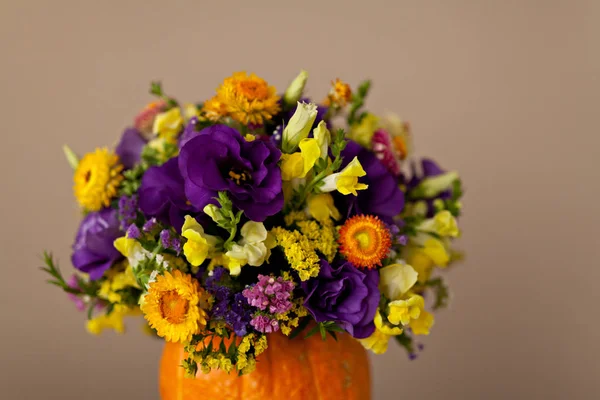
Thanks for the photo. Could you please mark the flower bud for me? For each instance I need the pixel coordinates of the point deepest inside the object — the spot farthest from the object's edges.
(323, 137)
(298, 126)
(434, 185)
(71, 157)
(294, 92)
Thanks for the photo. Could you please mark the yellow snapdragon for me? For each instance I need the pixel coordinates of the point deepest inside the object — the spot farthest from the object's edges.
(199, 245)
(346, 181)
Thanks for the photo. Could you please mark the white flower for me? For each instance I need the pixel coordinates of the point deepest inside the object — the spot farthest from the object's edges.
(298, 126)
(251, 249)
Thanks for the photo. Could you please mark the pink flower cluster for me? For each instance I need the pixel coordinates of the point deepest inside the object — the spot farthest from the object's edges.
(272, 295)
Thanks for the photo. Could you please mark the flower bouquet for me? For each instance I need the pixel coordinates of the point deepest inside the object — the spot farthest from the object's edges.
(268, 239)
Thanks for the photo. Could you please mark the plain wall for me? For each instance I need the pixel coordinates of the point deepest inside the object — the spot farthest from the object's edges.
(505, 92)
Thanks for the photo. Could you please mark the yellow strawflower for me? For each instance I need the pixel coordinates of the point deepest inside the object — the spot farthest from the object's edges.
(174, 306)
(247, 98)
(97, 178)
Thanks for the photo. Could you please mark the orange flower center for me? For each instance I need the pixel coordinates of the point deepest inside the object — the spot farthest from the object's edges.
(173, 307)
(364, 241)
(253, 89)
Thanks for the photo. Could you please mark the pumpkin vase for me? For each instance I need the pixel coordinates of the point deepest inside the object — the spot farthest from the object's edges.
(292, 369)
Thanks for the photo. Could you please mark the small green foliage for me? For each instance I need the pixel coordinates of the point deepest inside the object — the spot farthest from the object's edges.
(405, 341)
(358, 100)
(227, 218)
(85, 288)
(324, 328)
(440, 289)
(157, 90)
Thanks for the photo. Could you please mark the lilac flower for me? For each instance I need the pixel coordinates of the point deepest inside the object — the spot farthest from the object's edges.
(133, 232)
(264, 324)
(127, 210)
(165, 238)
(220, 159)
(93, 250)
(150, 225)
(272, 294)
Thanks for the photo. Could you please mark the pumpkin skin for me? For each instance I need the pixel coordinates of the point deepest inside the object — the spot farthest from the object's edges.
(297, 369)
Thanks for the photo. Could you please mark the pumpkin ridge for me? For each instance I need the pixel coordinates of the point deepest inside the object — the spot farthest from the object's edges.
(306, 346)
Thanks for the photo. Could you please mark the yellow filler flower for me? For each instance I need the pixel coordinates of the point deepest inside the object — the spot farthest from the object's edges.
(97, 178)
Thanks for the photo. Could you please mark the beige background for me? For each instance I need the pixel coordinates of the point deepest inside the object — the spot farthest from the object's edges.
(506, 92)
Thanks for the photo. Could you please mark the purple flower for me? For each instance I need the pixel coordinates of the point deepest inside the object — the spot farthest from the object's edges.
(383, 197)
(162, 195)
(270, 293)
(429, 168)
(93, 250)
(219, 159)
(133, 232)
(130, 147)
(127, 210)
(346, 295)
(150, 225)
(189, 132)
(230, 307)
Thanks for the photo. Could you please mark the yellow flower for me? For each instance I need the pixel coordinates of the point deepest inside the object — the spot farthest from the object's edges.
(403, 311)
(346, 181)
(190, 111)
(113, 321)
(396, 280)
(297, 165)
(339, 95)
(322, 236)
(294, 92)
(97, 178)
(248, 99)
(377, 342)
(299, 251)
(119, 278)
(168, 124)
(362, 133)
(321, 207)
(172, 306)
(421, 325)
(299, 126)
(214, 109)
(420, 262)
(199, 245)
(292, 166)
(442, 224)
(384, 327)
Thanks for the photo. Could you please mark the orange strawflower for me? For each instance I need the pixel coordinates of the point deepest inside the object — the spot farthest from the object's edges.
(364, 241)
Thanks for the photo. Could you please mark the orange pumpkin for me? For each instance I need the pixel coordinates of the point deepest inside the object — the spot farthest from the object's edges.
(297, 369)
